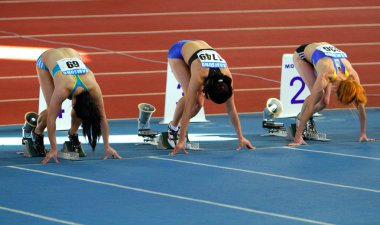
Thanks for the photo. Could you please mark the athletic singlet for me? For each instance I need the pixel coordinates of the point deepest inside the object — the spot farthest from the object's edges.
(334, 54)
(69, 66)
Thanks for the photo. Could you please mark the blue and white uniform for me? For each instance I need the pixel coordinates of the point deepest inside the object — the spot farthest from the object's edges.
(335, 54)
(322, 51)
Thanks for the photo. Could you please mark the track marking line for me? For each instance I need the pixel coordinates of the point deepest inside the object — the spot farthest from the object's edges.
(207, 202)
(190, 13)
(48, 218)
(330, 153)
(270, 175)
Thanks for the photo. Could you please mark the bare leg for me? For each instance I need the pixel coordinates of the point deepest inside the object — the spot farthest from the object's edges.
(75, 123)
(322, 103)
(198, 105)
(325, 99)
(41, 122)
(47, 86)
(305, 70)
(182, 74)
(178, 112)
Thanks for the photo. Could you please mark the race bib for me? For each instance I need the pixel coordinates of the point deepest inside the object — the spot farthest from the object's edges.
(211, 59)
(332, 51)
(72, 66)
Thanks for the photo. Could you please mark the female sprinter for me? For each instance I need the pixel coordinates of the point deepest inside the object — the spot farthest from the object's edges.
(201, 72)
(325, 69)
(62, 74)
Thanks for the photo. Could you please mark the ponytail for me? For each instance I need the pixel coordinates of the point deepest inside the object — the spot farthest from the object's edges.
(87, 110)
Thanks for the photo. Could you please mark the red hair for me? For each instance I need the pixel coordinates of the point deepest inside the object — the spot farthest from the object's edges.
(349, 91)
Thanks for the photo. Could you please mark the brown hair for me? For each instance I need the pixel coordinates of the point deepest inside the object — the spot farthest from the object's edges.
(349, 91)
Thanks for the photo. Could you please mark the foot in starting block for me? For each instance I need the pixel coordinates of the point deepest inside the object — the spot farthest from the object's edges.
(31, 150)
(307, 134)
(164, 144)
(68, 147)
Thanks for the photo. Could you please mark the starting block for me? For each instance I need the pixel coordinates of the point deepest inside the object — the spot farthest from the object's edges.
(27, 137)
(274, 129)
(314, 136)
(164, 144)
(148, 135)
(272, 110)
(70, 153)
(30, 151)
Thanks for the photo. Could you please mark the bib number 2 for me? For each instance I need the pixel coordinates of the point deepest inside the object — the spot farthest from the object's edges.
(296, 99)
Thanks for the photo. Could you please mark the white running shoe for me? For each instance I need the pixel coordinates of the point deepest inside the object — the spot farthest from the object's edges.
(173, 136)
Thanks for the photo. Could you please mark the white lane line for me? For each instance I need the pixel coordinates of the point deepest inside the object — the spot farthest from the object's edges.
(208, 30)
(330, 153)
(175, 196)
(192, 13)
(48, 218)
(269, 174)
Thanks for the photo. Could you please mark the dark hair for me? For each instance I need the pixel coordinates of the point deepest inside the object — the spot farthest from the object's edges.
(217, 86)
(87, 110)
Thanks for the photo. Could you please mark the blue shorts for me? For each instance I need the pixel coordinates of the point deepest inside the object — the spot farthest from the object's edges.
(175, 52)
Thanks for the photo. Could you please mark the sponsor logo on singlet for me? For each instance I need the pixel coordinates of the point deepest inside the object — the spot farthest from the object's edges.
(211, 59)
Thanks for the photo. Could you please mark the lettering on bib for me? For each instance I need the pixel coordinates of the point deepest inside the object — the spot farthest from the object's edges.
(211, 59)
(72, 66)
(332, 51)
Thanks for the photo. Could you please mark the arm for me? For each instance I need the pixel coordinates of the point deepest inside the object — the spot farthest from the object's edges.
(362, 113)
(54, 109)
(97, 94)
(232, 113)
(190, 100)
(363, 119)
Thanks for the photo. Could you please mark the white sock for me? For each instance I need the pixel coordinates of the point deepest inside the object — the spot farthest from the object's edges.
(173, 127)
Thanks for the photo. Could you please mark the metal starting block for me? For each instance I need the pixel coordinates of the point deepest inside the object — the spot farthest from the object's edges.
(148, 135)
(274, 128)
(30, 151)
(69, 155)
(314, 136)
(164, 144)
(68, 152)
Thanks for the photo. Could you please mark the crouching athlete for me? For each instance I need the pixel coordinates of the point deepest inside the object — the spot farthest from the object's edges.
(202, 73)
(62, 74)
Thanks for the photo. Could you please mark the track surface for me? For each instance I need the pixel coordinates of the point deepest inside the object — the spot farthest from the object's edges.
(251, 35)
